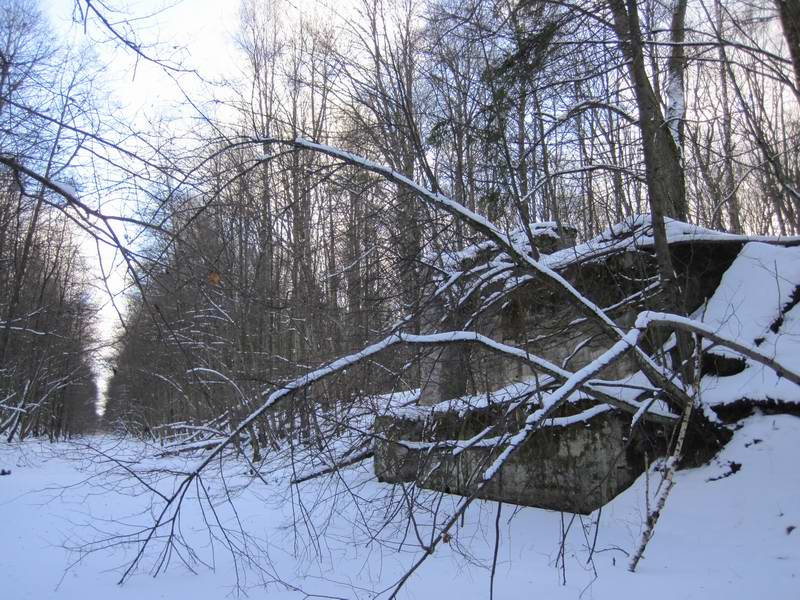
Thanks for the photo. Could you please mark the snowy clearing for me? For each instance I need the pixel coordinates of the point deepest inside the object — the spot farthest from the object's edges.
(727, 532)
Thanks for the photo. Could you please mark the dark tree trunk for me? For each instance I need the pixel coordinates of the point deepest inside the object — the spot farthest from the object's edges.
(789, 13)
(664, 172)
(663, 169)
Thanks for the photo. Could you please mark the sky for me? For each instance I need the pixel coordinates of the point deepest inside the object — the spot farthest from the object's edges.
(199, 34)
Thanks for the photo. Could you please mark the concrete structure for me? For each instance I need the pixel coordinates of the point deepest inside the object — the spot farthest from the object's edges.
(581, 465)
(574, 468)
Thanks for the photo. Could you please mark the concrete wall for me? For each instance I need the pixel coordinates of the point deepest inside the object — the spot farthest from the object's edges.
(576, 468)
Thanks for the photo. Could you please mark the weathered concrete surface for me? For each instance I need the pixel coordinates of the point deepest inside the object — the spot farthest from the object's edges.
(575, 468)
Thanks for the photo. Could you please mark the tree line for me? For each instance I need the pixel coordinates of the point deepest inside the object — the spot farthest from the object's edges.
(47, 375)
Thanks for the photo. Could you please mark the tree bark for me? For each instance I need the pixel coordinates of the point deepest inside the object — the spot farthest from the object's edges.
(789, 13)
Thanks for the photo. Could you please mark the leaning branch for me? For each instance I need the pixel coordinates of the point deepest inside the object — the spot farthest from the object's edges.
(658, 319)
(517, 253)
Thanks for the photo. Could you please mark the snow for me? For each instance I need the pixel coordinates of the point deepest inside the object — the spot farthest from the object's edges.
(751, 352)
(517, 238)
(626, 391)
(752, 292)
(752, 308)
(464, 404)
(719, 536)
(66, 189)
(751, 297)
(750, 300)
(742, 317)
(637, 233)
(633, 233)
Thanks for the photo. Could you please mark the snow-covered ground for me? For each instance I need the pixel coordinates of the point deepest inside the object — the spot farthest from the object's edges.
(719, 537)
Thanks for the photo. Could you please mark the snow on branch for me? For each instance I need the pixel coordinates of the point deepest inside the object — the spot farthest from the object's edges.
(514, 249)
(560, 396)
(648, 318)
(572, 381)
(518, 252)
(481, 440)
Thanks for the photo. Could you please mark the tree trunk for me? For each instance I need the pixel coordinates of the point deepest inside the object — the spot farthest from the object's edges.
(728, 183)
(663, 170)
(789, 13)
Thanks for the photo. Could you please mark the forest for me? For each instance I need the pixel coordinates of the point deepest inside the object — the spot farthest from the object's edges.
(383, 198)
